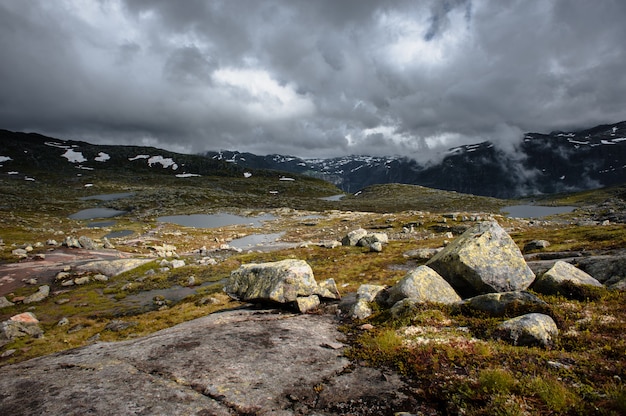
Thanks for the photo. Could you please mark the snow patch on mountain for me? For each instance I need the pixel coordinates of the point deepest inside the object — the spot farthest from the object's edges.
(74, 156)
(102, 157)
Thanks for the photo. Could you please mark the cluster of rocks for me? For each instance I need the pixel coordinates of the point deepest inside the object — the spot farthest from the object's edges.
(69, 242)
(17, 326)
(482, 270)
(361, 237)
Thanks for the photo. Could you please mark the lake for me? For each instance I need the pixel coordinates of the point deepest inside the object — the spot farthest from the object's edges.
(534, 211)
(215, 220)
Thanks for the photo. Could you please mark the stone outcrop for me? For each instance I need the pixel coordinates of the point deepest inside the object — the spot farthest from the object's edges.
(365, 295)
(235, 362)
(484, 259)
(360, 237)
(284, 281)
(21, 325)
(560, 279)
(422, 284)
(506, 303)
(533, 329)
(41, 294)
(112, 267)
(5, 303)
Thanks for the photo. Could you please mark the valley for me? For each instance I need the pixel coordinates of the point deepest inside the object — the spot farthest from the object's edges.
(184, 268)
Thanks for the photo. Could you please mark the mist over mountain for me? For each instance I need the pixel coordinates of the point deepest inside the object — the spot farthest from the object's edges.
(540, 164)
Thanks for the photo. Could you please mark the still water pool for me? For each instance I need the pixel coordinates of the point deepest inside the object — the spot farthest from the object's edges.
(91, 213)
(534, 211)
(215, 220)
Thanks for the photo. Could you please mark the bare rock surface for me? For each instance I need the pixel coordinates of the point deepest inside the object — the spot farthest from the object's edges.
(230, 363)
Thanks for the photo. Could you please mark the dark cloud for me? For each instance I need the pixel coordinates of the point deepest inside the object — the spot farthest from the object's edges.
(310, 78)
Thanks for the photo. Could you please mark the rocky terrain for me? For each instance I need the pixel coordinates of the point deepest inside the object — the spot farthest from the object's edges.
(399, 299)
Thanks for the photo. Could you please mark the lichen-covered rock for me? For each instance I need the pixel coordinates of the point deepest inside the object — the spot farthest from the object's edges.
(328, 289)
(536, 245)
(561, 277)
(307, 303)
(422, 284)
(281, 281)
(484, 259)
(112, 267)
(41, 294)
(353, 237)
(5, 303)
(506, 303)
(365, 295)
(533, 329)
(86, 243)
(21, 325)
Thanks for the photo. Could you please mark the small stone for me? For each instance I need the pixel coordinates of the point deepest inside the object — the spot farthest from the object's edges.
(62, 301)
(39, 257)
(41, 294)
(31, 281)
(307, 303)
(82, 280)
(62, 276)
(100, 278)
(4, 302)
(366, 327)
(177, 263)
(8, 353)
(63, 322)
(191, 281)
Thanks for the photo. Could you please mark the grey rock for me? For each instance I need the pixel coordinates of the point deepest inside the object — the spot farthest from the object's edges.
(41, 294)
(484, 259)
(536, 245)
(282, 281)
(20, 253)
(175, 264)
(21, 325)
(533, 329)
(353, 237)
(365, 295)
(605, 269)
(561, 275)
(71, 242)
(328, 289)
(422, 284)
(117, 325)
(307, 303)
(81, 280)
(242, 361)
(112, 268)
(86, 243)
(107, 244)
(421, 253)
(100, 278)
(506, 303)
(5, 303)
(63, 322)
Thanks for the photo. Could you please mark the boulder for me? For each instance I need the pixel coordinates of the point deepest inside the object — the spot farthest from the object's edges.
(605, 269)
(506, 303)
(562, 278)
(112, 267)
(328, 289)
(86, 243)
(484, 259)
(41, 294)
(353, 237)
(533, 329)
(307, 303)
(374, 241)
(536, 245)
(365, 295)
(281, 281)
(71, 242)
(422, 284)
(21, 325)
(20, 253)
(5, 303)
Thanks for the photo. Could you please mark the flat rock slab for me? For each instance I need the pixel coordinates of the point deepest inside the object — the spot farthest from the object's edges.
(236, 362)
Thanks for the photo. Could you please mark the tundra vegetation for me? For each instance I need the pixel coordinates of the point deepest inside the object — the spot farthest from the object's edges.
(452, 361)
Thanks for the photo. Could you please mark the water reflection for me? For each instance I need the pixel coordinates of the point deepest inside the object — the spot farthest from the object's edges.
(215, 220)
(91, 213)
(534, 211)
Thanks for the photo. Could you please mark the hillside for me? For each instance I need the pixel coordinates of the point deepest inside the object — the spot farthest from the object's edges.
(539, 164)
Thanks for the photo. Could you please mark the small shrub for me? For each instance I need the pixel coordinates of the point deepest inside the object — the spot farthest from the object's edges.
(496, 380)
(552, 392)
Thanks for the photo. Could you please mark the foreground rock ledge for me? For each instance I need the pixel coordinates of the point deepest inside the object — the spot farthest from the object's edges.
(236, 362)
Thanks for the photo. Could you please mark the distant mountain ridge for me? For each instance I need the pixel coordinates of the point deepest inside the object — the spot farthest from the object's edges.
(541, 164)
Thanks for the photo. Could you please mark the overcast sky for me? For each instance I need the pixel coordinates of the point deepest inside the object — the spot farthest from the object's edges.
(310, 78)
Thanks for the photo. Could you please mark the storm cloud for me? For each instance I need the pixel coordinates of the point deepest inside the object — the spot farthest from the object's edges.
(310, 78)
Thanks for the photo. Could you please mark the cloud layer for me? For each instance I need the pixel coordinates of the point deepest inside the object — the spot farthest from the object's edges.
(310, 78)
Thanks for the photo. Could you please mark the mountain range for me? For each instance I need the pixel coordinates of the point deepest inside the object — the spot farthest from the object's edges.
(539, 164)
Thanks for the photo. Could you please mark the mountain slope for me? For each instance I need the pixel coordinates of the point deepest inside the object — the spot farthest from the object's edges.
(540, 164)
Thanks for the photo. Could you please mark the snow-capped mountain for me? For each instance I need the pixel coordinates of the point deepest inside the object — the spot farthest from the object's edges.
(540, 164)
